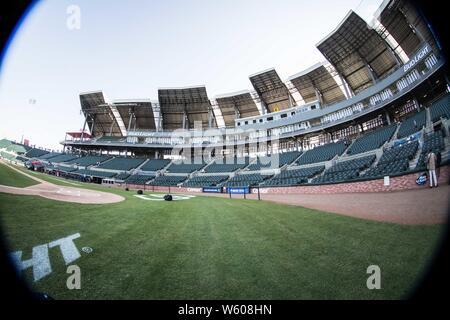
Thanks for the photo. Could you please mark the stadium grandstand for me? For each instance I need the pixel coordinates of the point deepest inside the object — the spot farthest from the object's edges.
(376, 106)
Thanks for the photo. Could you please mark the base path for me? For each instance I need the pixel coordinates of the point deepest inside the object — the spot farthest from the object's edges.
(68, 194)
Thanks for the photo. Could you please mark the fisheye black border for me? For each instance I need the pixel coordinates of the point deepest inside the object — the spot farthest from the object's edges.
(433, 288)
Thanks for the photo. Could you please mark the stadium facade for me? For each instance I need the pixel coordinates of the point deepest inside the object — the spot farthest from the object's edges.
(374, 108)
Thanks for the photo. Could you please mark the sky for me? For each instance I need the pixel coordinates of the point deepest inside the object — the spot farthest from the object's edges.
(129, 49)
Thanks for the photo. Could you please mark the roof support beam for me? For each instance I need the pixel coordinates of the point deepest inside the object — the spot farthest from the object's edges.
(129, 122)
(368, 67)
(209, 118)
(84, 127)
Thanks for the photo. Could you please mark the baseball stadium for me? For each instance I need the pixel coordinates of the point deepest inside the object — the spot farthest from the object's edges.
(292, 190)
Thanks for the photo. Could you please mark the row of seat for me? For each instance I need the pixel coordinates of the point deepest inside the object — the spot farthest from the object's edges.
(394, 160)
(35, 153)
(62, 158)
(372, 140)
(406, 151)
(412, 124)
(388, 168)
(274, 161)
(124, 164)
(167, 180)
(87, 161)
(440, 108)
(185, 167)
(433, 142)
(94, 173)
(155, 165)
(339, 176)
(323, 153)
(205, 181)
(294, 177)
(139, 179)
(345, 170)
(246, 180)
(227, 165)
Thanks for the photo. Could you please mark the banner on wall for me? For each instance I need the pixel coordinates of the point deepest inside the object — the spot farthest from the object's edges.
(212, 189)
(238, 190)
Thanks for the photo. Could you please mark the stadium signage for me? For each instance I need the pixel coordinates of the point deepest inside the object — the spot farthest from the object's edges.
(242, 190)
(40, 261)
(212, 190)
(419, 56)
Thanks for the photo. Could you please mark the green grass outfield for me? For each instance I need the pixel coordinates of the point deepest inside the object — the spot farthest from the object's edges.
(216, 248)
(9, 177)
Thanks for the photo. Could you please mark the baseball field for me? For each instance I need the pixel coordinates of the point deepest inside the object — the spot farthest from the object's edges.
(209, 248)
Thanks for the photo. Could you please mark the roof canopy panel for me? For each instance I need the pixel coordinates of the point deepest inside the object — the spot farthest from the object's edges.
(98, 114)
(399, 17)
(272, 90)
(194, 102)
(140, 112)
(238, 105)
(358, 52)
(317, 81)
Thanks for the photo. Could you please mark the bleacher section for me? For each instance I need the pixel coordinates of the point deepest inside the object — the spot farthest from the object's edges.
(294, 177)
(412, 124)
(322, 153)
(185, 167)
(18, 149)
(280, 160)
(4, 143)
(167, 180)
(51, 167)
(393, 161)
(246, 180)
(372, 140)
(139, 179)
(49, 155)
(89, 160)
(35, 153)
(432, 142)
(225, 165)
(124, 164)
(345, 170)
(122, 176)
(94, 173)
(155, 164)
(205, 181)
(62, 158)
(22, 159)
(440, 108)
(406, 151)
(7, 156)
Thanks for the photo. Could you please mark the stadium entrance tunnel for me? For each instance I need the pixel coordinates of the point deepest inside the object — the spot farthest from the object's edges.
(161, 197)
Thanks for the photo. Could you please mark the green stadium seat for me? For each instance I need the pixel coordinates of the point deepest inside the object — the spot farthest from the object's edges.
(372, 140)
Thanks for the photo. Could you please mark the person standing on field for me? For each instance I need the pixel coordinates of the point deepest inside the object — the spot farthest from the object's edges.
(431, 166)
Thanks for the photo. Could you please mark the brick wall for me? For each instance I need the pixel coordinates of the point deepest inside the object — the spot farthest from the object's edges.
(404, 182)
